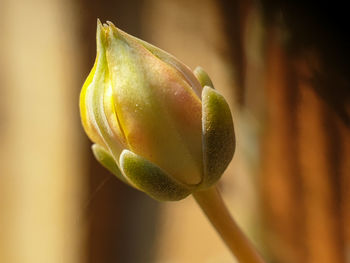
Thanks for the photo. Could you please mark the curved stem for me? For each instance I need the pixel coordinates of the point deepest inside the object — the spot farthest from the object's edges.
(215, 209)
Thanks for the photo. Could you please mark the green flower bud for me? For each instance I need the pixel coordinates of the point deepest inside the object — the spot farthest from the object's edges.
(156, 125)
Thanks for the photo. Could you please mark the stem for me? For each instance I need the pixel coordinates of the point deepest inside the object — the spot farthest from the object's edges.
(216, 211)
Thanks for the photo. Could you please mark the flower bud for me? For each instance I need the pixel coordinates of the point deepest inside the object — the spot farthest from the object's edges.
(153, 124)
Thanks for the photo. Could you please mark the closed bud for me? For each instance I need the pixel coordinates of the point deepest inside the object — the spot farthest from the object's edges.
(153, 123)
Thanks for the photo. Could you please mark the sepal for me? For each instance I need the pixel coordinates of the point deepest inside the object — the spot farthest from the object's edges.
(218, 135)
(151, 179)
(107, 161)
(203, 77)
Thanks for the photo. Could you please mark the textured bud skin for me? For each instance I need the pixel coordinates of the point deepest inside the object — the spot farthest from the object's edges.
(143, 109)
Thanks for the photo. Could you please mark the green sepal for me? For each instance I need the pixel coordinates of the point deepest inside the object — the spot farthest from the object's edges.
(218, 135)
(151, 179)
(203, 77)
(107, 161)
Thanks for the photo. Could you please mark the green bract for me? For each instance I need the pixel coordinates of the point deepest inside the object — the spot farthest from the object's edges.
(156, 125)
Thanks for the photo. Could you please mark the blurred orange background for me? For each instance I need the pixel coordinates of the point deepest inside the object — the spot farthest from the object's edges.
(287, 186)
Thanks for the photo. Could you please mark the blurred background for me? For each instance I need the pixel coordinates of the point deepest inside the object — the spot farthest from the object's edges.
(284, 68)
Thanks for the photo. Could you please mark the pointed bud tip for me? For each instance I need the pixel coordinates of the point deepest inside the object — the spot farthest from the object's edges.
(113, 28)
(99, 24)
(110, 23)
(106, 26)
(110, 30)
(100, 36)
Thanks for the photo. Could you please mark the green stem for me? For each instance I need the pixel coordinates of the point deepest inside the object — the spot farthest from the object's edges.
(215, 209)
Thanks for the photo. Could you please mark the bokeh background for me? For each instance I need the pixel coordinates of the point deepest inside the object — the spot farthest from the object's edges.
(283, 67)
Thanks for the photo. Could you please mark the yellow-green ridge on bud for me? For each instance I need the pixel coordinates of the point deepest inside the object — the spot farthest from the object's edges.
(156, 125)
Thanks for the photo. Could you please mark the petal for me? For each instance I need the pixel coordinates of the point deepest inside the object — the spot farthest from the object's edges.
(111, 114)
(87, 120)
(158, 111)
(169, 59)
(93, 100)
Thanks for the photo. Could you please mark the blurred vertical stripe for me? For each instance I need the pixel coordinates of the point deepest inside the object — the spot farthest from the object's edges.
(41, 183)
